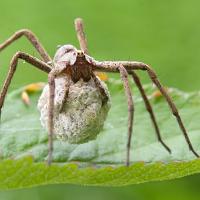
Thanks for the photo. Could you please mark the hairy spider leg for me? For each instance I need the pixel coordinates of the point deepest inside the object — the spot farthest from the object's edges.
(149, 108)
(13, 66)
(51, 82)
(32, 38)
(81, 35)
(79, 27)
(110, 66)
(12, 69)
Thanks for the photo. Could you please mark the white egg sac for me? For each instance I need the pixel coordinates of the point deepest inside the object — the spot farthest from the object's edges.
(83, 114)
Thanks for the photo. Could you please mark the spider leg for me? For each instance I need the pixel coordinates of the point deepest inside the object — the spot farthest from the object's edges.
(101, 89)
(83, 43)
(171, 104)
(51, 81)
(81, 35)
(110, 66)
(13, 65)
(32, 38)
(124, 78)
(149, 108)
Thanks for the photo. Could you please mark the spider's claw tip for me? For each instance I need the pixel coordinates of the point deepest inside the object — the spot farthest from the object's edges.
(166, 147)
(195, 153)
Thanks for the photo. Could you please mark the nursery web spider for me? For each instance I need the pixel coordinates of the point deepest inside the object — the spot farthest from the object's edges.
(76, 64)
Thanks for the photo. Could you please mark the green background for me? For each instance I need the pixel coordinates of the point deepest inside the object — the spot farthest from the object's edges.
(164, 34)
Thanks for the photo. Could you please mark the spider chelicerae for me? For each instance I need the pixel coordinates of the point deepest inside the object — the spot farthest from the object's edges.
(76, 65)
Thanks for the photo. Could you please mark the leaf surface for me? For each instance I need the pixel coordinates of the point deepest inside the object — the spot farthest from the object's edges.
(23, 144)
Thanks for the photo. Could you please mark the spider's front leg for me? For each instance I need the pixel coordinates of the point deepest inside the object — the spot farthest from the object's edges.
(79, 27)
(81, 35)
(38, 46)
(32, 38)
(13, 66)
(51, 81)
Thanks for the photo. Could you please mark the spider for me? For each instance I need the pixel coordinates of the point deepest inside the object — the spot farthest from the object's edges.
(77, 64)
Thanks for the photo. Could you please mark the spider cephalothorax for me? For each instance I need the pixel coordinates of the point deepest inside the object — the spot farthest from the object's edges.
(77, 65)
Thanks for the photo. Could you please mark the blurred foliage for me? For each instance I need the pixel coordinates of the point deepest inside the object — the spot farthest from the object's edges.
(164, 34)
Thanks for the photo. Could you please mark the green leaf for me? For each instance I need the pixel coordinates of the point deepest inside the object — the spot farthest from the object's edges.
(23, 144)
